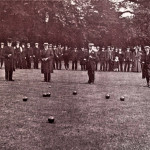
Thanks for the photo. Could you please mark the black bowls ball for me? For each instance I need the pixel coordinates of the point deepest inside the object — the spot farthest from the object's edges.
(51, 119)
(46, 94)
(122, 98)
(25, 99)
(74, 92)
(107, 96)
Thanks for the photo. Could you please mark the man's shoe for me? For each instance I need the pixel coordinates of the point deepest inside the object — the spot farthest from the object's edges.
(11, 80)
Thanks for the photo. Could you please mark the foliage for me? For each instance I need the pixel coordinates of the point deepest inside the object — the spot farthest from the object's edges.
(70, 22)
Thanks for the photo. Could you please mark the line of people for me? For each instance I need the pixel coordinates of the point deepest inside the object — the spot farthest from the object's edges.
(109, 59)
(51, 57)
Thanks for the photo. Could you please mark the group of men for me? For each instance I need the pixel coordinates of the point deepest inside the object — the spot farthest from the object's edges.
(20, 56)
(51, 56)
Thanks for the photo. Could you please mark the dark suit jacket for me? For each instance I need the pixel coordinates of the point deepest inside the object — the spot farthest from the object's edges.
(9, 61)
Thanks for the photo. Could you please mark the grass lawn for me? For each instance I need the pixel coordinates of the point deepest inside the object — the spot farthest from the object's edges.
(86, 121)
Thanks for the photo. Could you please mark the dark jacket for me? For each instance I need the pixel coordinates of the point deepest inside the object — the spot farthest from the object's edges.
(47, 65)
(74, 55)
(9, 60)
(145, 60)
(91, 66)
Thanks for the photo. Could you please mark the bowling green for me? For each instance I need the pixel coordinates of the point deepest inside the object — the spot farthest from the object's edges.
(86, 121)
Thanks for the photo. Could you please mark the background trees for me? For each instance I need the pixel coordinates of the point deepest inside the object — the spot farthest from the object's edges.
(75, 22)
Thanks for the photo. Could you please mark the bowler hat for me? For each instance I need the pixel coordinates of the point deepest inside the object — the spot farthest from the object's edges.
(146, 47)
(9, 40)
(45, 44)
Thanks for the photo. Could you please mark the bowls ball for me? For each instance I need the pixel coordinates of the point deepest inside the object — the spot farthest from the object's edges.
(74, 92)
(122, 98)
(107, 96)
(51, 119)
(25, 99)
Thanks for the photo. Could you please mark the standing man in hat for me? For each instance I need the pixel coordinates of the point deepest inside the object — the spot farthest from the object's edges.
(9, 60)
(66, 56)
(23, 56)
(121, 59)
(111, 58)
(145, 59)
(83, 59)
(1, 54)
(36, 55)
(102, 59)
(47, 65)
(128, 59)
(91, 64)
(74, 59)
(18, 51)
(55, 52)
(60, 55)
(29, 54)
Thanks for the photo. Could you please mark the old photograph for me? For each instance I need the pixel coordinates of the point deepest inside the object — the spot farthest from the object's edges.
(74, 74)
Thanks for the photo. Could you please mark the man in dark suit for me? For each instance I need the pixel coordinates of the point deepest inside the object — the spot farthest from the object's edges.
(55, 51)
(121, 59)
(18, 51)
(9, 60)
(83, 58)
(60, 55)
(111, 58)
(74, 58)
(36, 55)
(128, 59)
(145, 60)
(23, 56)
(102, 59)
(47, 65)
(1, 54)
(66, 56)
(29, 54)
(91, 66)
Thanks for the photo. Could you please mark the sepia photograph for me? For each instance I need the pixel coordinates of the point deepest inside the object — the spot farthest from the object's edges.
(74, 75)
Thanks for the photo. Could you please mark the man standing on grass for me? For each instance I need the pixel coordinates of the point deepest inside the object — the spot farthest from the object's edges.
(60, 55)
(102, 59)
(9, 60)
(18, 51)
(145, 59)
(74, 58)
(66, 56)
(36, 55)
(1, 54)
(47, 65)
(29, 52)
(128, 59)
(91, 64)
(55, 52)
